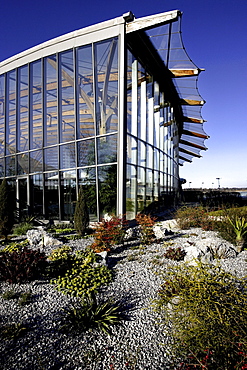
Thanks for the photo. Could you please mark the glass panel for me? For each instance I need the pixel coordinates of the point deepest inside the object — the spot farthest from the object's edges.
(131, 149)
(67, 128)
(67, 156)
(51, 195)
(51, 159)
(36, 161)
(85, 91)
(87, 179)
(22, 123)
(1, 167)
(149, 156)
(36, 132)
(141, 153)
(2, 107)
(68, 194)
(107, 177)
(50, 124)
(36, 194)
(130, 192)
(86, 152)
(22, 161)
(21, 198)
(141, 189)
(10, 166)
(156, 186)
(149, 187)
(106, 60)
(11, 114)
(107, 149)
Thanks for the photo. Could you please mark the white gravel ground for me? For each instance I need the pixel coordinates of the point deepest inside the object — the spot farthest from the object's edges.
(140, 343)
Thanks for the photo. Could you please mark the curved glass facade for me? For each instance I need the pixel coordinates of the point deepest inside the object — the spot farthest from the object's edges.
(89, 109)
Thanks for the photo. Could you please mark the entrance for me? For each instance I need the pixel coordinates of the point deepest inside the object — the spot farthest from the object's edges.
(22, 198)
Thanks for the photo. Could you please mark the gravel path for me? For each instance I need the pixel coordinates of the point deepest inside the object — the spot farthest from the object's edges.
(140, 343)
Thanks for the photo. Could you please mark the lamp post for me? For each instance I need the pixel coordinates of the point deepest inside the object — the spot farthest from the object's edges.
(218, 178)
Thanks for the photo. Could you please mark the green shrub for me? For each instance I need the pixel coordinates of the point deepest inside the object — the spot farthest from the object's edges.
(146, 223)
(22, 228)
(188, 217)
(25, 298)
(84, 277)
(22, 265)
(206, 308)
(175, 254)
(90, 313)
(15, 246)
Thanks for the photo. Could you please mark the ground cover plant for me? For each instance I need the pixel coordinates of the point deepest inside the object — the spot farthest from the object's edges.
(206, 308)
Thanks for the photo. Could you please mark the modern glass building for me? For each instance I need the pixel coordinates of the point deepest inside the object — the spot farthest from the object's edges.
(113, 108)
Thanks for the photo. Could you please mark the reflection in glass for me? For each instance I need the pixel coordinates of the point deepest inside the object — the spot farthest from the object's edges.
(51, 195)
(130, 192)
(68, 194)
(87, 180)
(36, 184)
(2, 105)
(107, 177)
(22, 161)
(50, 124)
(141, 189)
(85, 91)
(11, 113)
(23, 105)
(107, 149)
(67, 126)
(36, 131)
(36, 161)
(51, 158)
(86, 152)
(106, 53)
(67, 156)
(2, 167)
(10, 165)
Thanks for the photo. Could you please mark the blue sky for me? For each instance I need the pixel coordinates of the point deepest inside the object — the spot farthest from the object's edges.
(215, 37)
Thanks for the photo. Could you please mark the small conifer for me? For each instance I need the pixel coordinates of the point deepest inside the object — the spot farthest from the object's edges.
(81, 216)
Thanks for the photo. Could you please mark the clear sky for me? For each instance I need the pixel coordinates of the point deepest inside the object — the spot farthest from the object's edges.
(215, 37)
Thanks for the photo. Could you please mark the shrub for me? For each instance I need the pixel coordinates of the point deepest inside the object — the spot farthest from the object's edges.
(109, 233)
(59, 261)
(22, 265)
(84, 277)
(188, 217)
(175, 254)
(146, 223)
(6, 209)
(90, 313)
(81, 216)
(15, 246)
(22, 228)
(206, 307)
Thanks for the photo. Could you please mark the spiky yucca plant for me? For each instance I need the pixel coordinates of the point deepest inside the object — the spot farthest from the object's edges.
(239, 225)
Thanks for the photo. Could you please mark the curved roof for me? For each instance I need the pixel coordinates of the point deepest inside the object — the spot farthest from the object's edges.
(164, 31)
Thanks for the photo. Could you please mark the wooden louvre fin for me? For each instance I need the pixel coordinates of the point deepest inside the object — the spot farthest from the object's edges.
(193, 120)
(191, 102)
(192, 144)
(185, 72)
(196, 134)
(189, 152)
(185, 159)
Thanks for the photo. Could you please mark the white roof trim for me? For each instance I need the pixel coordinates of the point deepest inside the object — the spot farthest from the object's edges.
(152, 21)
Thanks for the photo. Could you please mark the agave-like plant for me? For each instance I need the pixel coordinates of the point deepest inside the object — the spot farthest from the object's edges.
(239, 225)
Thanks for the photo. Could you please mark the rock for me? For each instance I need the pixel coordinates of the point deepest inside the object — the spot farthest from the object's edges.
(40, 238)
